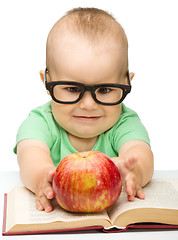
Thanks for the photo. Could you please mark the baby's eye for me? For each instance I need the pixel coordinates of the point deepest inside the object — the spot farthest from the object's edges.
(73, 89)
(103, 90)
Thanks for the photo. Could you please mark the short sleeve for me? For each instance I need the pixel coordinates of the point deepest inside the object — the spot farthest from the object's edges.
(128, 128)
(34, 127)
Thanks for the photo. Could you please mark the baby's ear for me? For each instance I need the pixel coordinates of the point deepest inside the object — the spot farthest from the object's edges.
(42, 75)
(132, 75)
(42, 78)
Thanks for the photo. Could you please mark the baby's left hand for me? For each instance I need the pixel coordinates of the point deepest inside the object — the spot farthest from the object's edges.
(131, 176)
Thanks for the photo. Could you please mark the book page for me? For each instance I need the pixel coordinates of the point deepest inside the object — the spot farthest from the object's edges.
(160, 193)
(21, 209)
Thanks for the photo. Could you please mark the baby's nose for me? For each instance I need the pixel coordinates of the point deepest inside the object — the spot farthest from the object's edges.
(87, 101)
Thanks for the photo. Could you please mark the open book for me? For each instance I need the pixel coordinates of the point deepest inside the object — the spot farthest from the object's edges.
(160, 206)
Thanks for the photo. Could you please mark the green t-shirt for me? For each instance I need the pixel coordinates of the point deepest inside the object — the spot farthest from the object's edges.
(41, 125)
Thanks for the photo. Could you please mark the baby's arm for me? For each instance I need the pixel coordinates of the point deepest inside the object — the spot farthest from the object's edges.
(136, 165)
(37, 171)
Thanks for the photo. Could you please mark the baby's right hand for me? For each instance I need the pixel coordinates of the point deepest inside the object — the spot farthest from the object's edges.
(45, 192)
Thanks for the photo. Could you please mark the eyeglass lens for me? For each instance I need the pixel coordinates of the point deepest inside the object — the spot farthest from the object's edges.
(69, 93)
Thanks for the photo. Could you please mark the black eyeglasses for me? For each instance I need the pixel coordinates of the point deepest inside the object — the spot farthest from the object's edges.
(69, 92)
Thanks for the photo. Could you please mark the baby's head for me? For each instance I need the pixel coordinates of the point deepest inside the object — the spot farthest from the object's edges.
(89, 47)
(94, 29)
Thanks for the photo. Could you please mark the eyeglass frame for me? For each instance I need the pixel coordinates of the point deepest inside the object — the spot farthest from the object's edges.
(91, 88)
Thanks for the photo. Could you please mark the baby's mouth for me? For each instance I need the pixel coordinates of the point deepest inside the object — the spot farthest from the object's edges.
(87, 118)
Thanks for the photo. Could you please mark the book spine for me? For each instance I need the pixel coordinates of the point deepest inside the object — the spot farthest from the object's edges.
(4, 214)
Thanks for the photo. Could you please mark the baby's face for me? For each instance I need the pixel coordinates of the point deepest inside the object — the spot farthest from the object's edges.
(77, 60)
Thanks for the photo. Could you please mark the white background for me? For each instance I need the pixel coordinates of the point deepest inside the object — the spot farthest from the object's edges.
(152, 30)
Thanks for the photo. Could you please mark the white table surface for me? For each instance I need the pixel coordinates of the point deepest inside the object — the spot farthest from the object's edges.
(8, 180)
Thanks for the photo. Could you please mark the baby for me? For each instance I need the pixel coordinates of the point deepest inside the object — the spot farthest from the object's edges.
(87, 77)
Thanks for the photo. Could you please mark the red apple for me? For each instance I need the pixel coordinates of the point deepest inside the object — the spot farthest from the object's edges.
(86, 182)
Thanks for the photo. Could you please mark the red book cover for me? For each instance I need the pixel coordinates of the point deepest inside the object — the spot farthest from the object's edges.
(100, 228)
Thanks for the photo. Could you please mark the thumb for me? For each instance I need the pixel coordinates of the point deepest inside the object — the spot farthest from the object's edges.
(50, 175)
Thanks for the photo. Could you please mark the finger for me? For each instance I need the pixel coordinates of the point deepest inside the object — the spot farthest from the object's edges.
(130, 193)
(140, 194)
(39, 206)
(48, 191)
(130, 186)
(131, 198)
(50, 175)
(45, 203)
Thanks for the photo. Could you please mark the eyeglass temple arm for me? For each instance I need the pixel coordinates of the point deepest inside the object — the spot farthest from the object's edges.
(128, 74)
(45, 79)
(129, 80)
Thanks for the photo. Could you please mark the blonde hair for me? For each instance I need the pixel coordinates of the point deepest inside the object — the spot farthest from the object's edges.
(96, 25)
(93, 23)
